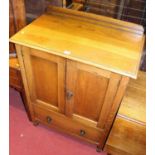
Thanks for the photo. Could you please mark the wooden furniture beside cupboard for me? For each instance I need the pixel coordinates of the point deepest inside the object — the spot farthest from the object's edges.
(15, 81)
(75, 68)
(35, 8)
(14, 74)
(17, 19)
(128, 134)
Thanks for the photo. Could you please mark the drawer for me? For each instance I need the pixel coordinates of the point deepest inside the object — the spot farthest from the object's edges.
(15, 79)
(15, 83)
(65, 124)
(13, 73)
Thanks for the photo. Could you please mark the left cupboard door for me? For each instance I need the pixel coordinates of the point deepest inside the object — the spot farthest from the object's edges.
(45, 74)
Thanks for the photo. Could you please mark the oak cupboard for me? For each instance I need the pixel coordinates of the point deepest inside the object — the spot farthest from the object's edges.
(75, 68)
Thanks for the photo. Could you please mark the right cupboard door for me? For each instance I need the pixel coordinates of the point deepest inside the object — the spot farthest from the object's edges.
(90, 93)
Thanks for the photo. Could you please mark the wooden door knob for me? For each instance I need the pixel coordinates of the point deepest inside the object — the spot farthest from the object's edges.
(82, 132)
(69, 94)
(49, 119)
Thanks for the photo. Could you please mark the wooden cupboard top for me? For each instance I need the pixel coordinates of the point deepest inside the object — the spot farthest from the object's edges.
(100, 41)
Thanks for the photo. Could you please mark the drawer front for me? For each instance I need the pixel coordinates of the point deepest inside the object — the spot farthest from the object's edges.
(15, 79)
(13, 73)
(63, 123)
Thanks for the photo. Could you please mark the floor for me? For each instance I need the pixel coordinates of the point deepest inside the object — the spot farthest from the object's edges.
(26, 139)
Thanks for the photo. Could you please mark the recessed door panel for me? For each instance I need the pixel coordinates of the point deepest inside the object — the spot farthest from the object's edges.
(45, 74)
(46, 78)
(89, 94)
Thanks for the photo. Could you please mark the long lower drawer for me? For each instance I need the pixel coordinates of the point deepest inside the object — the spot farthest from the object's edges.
(63, 123)
(15, 78)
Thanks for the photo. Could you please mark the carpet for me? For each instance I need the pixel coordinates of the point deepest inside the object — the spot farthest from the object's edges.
(26, 139)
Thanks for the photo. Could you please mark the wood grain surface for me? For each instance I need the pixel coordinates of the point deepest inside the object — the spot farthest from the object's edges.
(133, 105)
(104, 42)
(45, 76)
(127, 137)
(128, 134)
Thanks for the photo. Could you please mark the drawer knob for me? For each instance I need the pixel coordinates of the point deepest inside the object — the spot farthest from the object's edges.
(69, 95)
(49, 119)
(82, 132)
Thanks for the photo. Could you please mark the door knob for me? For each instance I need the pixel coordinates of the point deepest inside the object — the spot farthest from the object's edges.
(69, 94)
(49, 119)
(82, 132)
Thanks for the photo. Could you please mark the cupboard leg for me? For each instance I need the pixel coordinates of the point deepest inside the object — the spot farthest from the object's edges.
(23, 96)
(99, 149)
(36, 123)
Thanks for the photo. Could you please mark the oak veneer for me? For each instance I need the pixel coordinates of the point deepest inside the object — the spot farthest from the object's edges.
(133, 105)
(15, 80)
(18, 7)
(126, 137)
(103, 42)
(75, 68)
(76, 6)
(11, 26)
(128, 134)
(17, 19)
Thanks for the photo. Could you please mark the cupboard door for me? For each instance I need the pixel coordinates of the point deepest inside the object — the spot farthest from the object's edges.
(45, 75)
(90, 93)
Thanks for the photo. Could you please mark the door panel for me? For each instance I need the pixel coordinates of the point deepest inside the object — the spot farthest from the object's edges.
(91, 88)
(46, 86)
(46, 78)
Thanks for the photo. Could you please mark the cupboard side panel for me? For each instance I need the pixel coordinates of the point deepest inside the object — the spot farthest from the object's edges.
(29, 73)
(114, 108)
(25, 82)
(108, 101)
